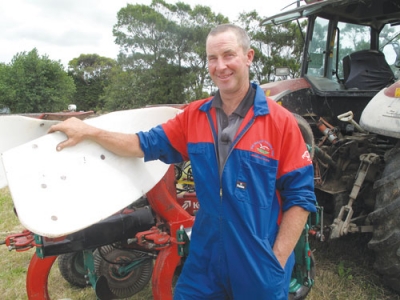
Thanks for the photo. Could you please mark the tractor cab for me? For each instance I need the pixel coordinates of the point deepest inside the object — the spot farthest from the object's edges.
(348, 93)
(351, 51)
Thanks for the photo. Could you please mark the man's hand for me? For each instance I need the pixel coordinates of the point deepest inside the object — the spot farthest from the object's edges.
(290, 229)
(122, 144)
(75, 130)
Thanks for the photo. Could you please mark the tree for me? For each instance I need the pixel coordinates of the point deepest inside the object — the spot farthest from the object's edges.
(6, 92)
(91, 74)
(163, 55)
(35, 84)
(124, 91)
(274, 45)
(204, 20)
(164, 45)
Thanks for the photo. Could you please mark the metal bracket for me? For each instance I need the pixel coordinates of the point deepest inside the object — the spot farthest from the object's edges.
(341, 225)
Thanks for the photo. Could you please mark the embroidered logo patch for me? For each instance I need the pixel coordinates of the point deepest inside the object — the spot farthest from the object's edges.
(306, 155)
(241, 185)
(263, 147)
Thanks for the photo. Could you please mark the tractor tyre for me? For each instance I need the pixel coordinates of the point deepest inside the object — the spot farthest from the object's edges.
(385, 219)
(107, 263)
(72, 269)
(306, 132)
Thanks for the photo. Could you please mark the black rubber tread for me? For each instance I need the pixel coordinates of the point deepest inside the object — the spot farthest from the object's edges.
(339, 200)
(388, 179)
(306, 132)
(130, 284)
(386, 221)
(393, 282)
(392, 153)
(71, 267)
(388, 240)
(391, 270)
(386, 211)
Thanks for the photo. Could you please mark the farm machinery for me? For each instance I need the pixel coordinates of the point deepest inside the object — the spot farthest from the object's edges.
(146, 240)
(348, 94)
(347, 103)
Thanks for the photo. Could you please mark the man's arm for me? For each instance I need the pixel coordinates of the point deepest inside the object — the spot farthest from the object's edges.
(76, 130)
(290, 229)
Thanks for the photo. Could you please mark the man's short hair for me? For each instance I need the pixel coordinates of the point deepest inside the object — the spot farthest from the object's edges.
(241, 35)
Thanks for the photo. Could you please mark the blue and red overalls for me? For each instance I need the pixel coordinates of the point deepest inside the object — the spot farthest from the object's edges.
(268, 170)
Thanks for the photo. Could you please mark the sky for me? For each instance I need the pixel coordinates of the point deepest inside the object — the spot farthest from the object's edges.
(65, 29)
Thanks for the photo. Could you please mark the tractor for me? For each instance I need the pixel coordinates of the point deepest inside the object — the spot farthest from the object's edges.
(348, 92)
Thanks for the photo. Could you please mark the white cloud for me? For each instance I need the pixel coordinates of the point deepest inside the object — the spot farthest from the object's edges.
(64, 29)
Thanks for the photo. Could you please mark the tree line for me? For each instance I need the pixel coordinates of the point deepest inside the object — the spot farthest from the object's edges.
(162, 60)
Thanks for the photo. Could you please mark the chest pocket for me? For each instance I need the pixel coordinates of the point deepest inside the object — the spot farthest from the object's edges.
(256, 180)
(203, 160)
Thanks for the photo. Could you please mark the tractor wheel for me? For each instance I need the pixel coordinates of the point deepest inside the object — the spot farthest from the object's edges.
(108, 260)
(71, 267)
(306, 132)
(385, 218)
(303, 291)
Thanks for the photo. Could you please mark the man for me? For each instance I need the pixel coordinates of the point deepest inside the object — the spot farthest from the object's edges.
(253, 181)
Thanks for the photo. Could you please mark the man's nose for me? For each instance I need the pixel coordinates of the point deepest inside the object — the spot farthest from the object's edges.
(220, 64)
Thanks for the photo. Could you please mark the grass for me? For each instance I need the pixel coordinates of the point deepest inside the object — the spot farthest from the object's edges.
(14, 265)
(344, 269)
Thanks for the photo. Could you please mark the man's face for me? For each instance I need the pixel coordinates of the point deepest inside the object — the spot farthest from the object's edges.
(228, 64)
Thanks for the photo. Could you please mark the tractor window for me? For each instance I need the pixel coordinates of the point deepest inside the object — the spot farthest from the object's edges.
(317, 48)
(389, 41)
(352, 38)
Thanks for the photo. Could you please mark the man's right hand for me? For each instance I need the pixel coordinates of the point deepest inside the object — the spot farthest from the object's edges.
(75, 129)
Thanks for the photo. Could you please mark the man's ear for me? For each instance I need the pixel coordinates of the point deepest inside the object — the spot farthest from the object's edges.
(250, 56)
